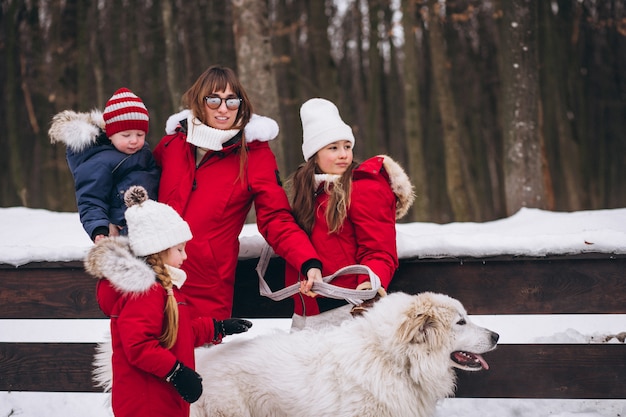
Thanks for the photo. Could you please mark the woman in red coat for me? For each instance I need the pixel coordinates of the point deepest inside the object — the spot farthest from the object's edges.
(349, 210)
(152, 334)
(216, 161)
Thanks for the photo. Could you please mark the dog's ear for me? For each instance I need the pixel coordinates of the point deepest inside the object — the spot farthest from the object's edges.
(422, 324)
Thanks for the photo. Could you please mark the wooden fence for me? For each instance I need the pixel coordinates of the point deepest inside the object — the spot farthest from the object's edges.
(582, 284)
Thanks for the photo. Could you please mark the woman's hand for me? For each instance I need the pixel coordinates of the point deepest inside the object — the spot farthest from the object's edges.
(313, 275)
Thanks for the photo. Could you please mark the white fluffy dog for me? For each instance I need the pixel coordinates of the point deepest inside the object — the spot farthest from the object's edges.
(395, 360)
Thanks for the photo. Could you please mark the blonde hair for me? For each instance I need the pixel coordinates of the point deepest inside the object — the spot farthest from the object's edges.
(170, 328)
(301, 190)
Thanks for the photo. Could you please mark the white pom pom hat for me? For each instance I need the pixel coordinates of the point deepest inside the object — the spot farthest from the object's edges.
(321, 125)
(152, 226)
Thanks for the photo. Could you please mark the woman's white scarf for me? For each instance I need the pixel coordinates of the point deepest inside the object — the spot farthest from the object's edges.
(207, 137)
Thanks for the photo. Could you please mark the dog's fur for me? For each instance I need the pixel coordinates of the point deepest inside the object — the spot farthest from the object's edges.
(395, 360)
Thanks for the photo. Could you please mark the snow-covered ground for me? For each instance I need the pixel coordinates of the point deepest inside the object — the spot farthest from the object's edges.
(29, 235)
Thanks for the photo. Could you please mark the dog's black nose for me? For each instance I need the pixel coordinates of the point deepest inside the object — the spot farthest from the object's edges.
(494, 337)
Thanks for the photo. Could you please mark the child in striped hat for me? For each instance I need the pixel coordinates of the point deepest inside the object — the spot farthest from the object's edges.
(107, 153)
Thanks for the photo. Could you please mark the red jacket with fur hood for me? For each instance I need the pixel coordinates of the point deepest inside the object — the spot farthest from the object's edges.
(215, 199)
(381, 193)
(128, 293)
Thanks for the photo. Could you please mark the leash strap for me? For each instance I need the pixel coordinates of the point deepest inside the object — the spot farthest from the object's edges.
(325, 288)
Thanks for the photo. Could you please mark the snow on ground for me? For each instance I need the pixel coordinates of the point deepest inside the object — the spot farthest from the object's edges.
(33, 235)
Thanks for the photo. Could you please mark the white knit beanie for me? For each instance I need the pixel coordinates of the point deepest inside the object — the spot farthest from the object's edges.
(321, 125)
(152, 226)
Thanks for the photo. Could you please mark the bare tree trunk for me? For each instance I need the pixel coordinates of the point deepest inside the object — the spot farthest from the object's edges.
(11, 88)
(458, 179)
(254, 58)
(353, 83)
(600, 110)
(524, 158)
(171, 43)
(94, 53)
(83, 29)
(489, 135)
(323, 68)
(558, 130)
(416, 167)
(254, 64)
(286, 57)
(471, 42)
(135, 65)
(57, 184)
(113, 46)
(392, 120)
(374, 75)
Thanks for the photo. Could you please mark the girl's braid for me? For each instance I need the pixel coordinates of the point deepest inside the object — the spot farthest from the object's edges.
(170, 330)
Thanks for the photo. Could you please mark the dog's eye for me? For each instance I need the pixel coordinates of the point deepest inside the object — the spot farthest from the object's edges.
(461, 322)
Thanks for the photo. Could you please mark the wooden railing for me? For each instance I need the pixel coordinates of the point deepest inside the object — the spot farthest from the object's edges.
(582, 284)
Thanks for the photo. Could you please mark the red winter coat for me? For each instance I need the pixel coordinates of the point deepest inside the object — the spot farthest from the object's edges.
(381, 193)
(214, 200)
(135, 303)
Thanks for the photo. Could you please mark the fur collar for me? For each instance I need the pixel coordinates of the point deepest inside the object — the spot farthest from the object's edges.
(400, 185)
(398, 180)
(112, 258)
(322, 178)
(260, 128)
(77, 130)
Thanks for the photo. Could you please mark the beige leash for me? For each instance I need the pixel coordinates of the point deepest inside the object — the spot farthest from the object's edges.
(325, 288)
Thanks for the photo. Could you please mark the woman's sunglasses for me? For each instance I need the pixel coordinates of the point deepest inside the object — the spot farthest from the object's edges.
(214, 103)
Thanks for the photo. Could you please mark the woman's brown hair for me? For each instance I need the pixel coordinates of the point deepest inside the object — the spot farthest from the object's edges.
(170, 326)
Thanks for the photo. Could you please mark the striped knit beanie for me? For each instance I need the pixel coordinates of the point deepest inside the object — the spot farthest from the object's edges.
(125, 111)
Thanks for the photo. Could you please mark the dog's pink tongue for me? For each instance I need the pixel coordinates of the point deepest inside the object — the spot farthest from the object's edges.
(483, 362)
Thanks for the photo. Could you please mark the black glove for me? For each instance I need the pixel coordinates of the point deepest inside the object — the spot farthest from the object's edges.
(187, 382)
(230, 326)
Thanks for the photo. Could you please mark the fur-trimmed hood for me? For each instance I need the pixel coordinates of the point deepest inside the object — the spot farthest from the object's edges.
(112, 258)
(77, 130)
(400, 185)
(259, 128)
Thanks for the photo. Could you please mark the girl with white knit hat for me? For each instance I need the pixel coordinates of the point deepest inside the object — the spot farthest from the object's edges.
(153, 335)
(348, 209)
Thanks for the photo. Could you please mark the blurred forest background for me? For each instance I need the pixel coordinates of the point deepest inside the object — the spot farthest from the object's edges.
(489, 105)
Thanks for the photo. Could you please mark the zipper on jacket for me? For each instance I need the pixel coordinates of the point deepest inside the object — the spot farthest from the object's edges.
(204, 160)
(208, 156)
(245, 169)
(120, 163)
(167, 143)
